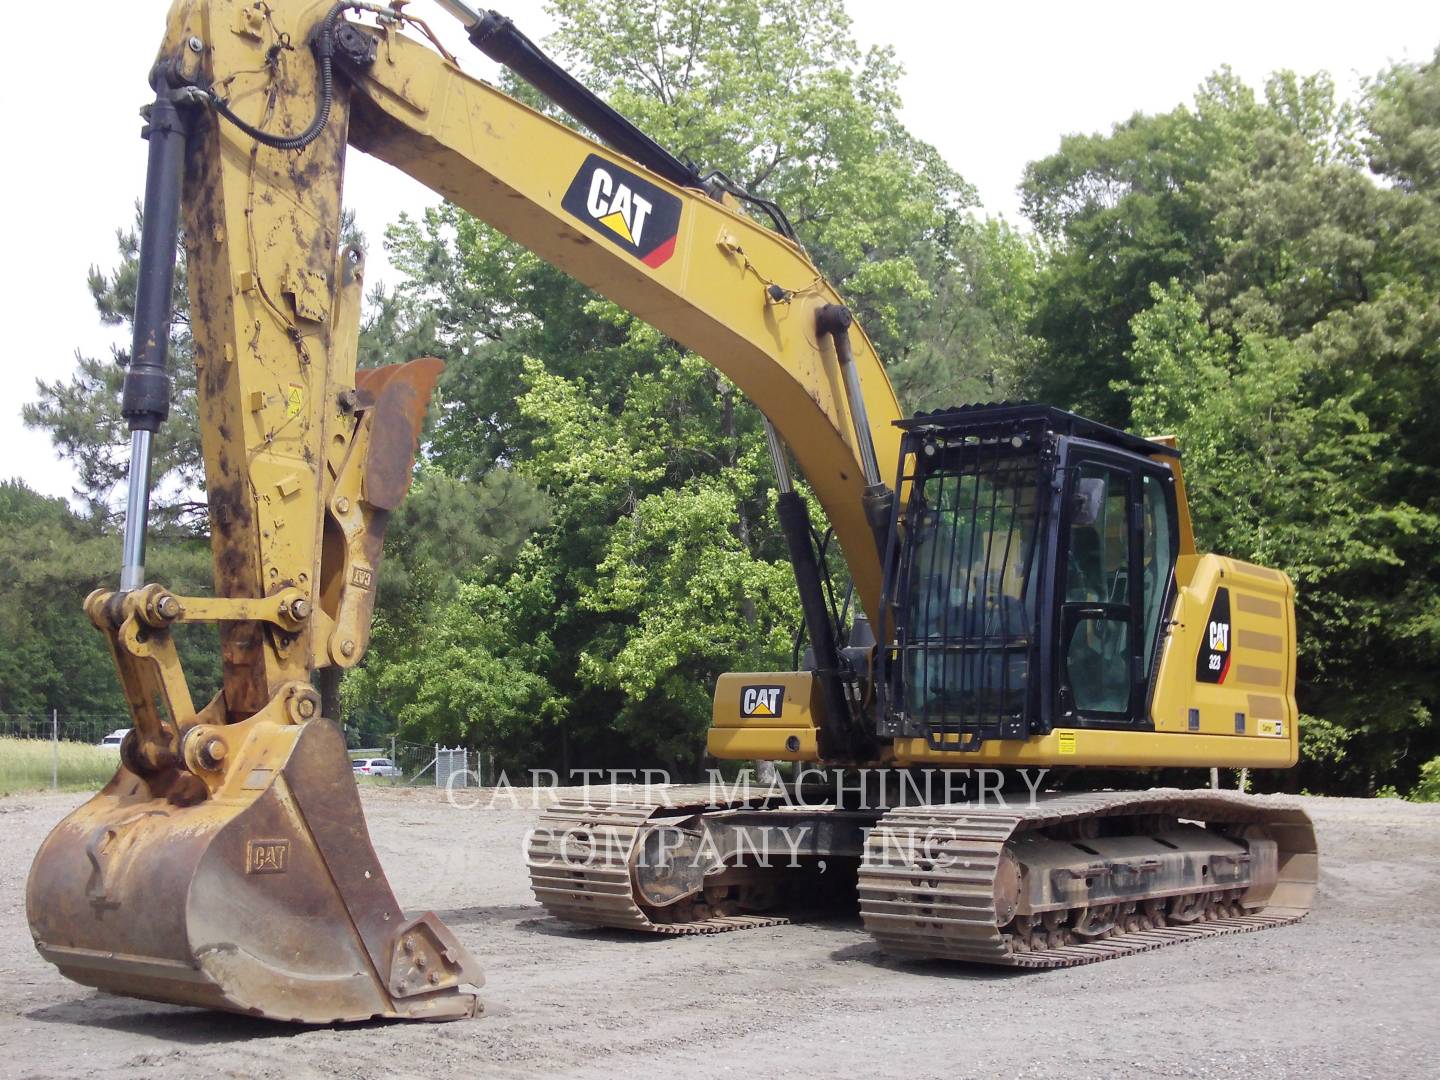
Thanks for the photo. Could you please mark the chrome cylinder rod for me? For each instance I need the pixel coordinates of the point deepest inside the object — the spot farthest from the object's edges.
(835, 320)
(777, 459)
(467, 15)
(137, 511)
(855, 397)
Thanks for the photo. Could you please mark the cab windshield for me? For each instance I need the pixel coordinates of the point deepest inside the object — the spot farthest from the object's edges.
(968, 609)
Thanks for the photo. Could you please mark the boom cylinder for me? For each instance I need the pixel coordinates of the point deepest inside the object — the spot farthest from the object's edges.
(835, 320)
(838, 736)
(879, 500)
(778, 462)
(795, 527)
(145, 401)
(499, 39)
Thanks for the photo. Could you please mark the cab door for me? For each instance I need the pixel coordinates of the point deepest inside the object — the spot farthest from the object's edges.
(1116, 551)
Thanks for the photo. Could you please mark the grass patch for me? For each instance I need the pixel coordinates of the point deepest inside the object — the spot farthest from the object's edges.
(25, 765)
(377, 781)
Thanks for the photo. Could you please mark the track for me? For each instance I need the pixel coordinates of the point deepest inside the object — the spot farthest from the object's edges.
(927, 884)
(579, 861)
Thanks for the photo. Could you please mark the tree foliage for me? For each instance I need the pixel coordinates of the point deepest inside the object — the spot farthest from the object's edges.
(591, 536)
(82, 414)
(50, 559)
(1273, 305)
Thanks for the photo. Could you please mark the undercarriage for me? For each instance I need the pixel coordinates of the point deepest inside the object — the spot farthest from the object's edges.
(1049, 881)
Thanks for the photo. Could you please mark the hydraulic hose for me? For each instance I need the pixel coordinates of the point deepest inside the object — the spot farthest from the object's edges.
(324, 46)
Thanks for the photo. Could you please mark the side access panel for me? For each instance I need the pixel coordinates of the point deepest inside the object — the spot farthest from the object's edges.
(1228, 666)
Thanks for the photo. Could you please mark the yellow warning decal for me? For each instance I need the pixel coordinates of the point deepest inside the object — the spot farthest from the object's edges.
(1272, 727)
(294, 400)
(1067, 742)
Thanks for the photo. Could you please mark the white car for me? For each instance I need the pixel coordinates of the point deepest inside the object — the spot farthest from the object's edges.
(114, 739)
(375, 766)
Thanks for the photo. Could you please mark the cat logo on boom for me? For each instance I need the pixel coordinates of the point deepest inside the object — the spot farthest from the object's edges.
(626, 209)
(761, 701)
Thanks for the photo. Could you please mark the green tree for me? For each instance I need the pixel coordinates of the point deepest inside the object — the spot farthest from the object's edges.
(970, 339)
(50, 655)
(1123, 211)
(1299, 370)
(480, 672)
(82, 413)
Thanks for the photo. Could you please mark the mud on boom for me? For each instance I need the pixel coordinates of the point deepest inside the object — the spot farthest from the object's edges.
(1027, 583)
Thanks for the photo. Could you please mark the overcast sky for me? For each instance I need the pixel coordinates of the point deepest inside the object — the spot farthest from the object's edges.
(991, 85)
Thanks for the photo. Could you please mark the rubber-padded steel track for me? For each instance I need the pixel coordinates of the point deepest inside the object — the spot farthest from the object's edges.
(927, 883)
(579, 859)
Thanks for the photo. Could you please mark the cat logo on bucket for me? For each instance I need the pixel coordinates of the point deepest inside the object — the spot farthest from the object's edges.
(267, 856)
(764, 701)
(626, 209)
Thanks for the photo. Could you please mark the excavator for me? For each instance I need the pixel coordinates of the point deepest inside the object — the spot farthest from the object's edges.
(1027, 590)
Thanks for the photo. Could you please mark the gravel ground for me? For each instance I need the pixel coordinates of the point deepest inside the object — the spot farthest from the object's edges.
(1349, 992)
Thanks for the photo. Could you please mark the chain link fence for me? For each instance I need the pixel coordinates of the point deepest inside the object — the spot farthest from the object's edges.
(433, 764)
(75, 729)
(56, 751)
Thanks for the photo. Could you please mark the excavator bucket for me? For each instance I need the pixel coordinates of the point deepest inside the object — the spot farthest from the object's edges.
(260, 894)
(227, 864)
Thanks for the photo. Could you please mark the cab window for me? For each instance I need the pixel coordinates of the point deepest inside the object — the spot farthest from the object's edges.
(1159, 543)
(1096, 644)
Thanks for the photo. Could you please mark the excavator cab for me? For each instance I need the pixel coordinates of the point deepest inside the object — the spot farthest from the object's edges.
(1031, 565)
(1042, 603)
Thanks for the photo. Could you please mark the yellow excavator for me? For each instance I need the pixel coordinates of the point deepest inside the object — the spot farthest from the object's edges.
(1027, 585)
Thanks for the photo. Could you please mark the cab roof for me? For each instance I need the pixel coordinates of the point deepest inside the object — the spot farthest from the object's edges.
(985, 418)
